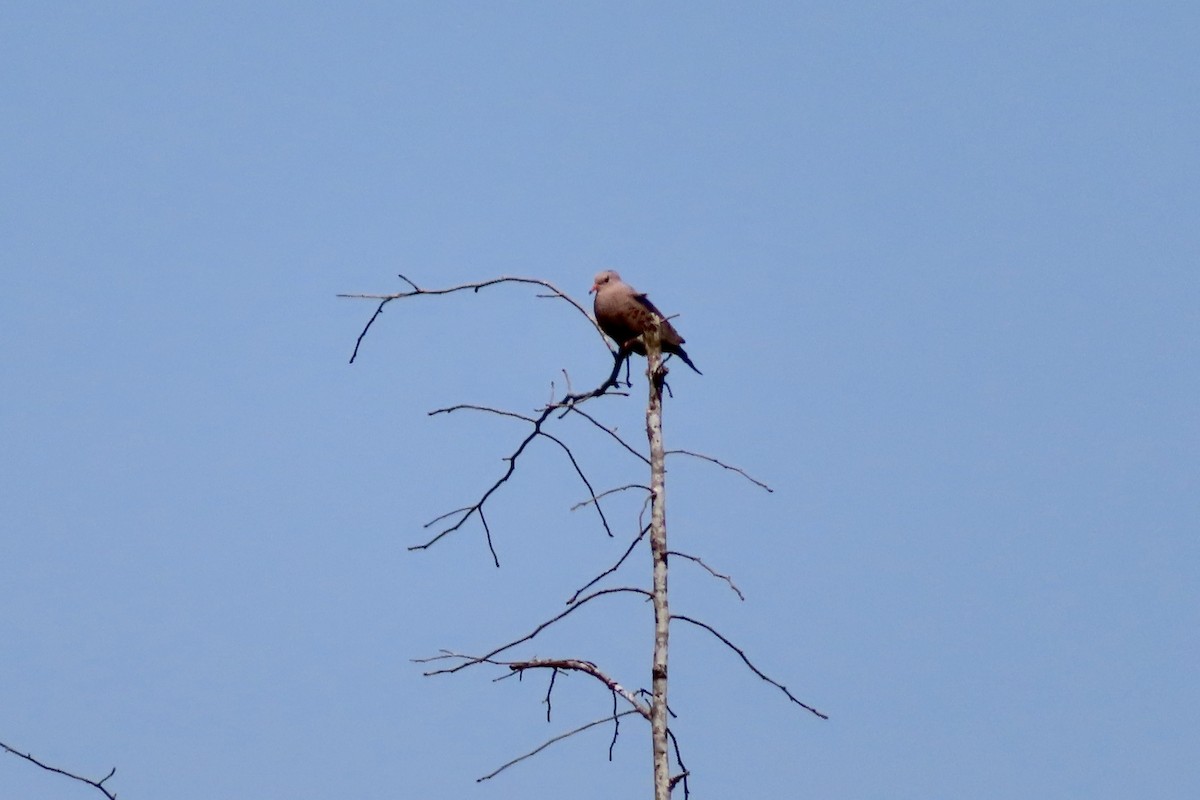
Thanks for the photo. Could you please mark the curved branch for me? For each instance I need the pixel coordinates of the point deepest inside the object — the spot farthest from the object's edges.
(556, 665)
(611, 433)
(384, 299)
(578, 665)
(527, 637)
(551, 741)
(611, 569)
(97, 784)
(684, 771)
(721, 464)
(607, 492)
(711, 571)
(742, 654)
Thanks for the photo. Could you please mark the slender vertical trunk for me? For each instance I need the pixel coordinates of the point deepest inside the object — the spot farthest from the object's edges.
(658, 550)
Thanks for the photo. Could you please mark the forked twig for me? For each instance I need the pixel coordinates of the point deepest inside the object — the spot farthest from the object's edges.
(613, 568)
(555, 665)
(49, 768)
(466, 512)
(578, 665)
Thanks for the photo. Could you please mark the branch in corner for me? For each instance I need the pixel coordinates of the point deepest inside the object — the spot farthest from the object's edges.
(97, 784)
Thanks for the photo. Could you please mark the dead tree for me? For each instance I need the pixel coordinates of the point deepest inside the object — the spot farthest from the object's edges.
(650, 704)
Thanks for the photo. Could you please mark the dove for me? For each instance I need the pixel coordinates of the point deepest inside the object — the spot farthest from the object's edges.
(624, 314)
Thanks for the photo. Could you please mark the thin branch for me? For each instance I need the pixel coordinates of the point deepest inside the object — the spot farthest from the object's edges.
(466, 512)
(577, 665)
(722, 464)
(551, 741)
(384, 299)
(646, 693)
(488, 409)
(611, 569)
(684, 771)
(610, 432)
(550, 689)
(616, 727)
(711, 571)
(741, 654)
(607, 492)
(582, 477)
(362, 335)
(569, 400)
(97, 784)
(447, 514)
(487, 531)
(556, 665)
(527, 637)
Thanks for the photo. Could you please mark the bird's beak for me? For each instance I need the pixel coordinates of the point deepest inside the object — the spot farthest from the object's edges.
(595, 288)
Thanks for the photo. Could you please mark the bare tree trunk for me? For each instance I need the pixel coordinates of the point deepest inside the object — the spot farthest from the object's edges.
(658, 550)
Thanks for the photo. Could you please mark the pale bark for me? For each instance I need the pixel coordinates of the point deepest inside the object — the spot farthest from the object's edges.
(658, 550)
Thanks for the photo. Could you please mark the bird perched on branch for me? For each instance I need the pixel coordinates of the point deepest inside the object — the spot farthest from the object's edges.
(625, 314)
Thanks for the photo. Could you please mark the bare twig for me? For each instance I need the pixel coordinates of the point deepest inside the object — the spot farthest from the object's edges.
(721, 464)
(486, 658)
(477, 508)
(487, 531)
(551, 741)
(742, 654)
(550, 689)
(610, 432)
(684, 771)
(555, 665)
(384, 299)
(97, 784)
(579, 665)
(616, 727)
(646, 693)
(711, 571)
(607, 492)
(611, 569)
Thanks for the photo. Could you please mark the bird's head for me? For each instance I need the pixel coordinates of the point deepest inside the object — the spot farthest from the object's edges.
(603, 279)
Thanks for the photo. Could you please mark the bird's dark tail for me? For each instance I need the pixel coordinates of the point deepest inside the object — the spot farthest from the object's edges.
(679, 351)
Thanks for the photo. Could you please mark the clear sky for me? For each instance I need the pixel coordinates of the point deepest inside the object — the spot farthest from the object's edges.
(937, 261)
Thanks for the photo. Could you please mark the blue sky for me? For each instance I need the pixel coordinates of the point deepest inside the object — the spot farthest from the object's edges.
(938, 262)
